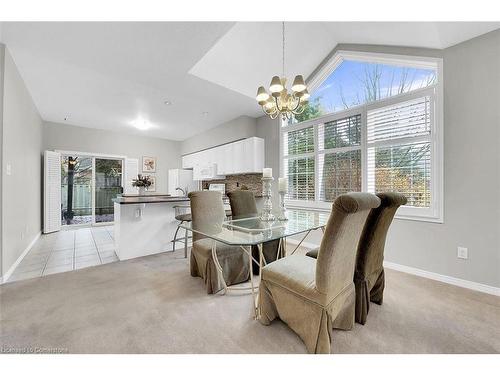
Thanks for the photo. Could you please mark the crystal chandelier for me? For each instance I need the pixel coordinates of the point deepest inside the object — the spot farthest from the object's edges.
(280, 101)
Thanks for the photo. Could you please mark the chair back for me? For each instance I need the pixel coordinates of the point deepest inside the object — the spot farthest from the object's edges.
(337, 252)
(207, 211)
(370, 256)
(242, 204)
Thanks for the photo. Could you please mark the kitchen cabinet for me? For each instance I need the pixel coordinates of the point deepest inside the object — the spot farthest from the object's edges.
(224, 159)
(244, 156)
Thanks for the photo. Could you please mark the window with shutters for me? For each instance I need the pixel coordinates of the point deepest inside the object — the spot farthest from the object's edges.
(388, 143)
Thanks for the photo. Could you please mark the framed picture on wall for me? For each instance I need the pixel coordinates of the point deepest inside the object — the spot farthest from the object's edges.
(148, 164)
(152, 178)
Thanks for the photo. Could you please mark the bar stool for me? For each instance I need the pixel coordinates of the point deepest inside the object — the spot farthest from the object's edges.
(183, 215)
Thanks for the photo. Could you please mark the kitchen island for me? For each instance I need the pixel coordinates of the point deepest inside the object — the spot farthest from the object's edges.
(145, 225)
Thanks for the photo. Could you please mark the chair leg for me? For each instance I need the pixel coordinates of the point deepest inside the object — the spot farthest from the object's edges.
(186, 243)
(175, 236)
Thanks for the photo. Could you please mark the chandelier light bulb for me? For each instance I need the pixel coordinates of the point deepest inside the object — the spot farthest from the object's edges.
(298, 84)
(262, 95)
(276, 86)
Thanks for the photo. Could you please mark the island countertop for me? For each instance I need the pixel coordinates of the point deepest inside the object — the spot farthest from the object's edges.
(149, 199)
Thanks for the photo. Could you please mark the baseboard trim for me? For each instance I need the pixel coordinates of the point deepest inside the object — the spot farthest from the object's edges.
(11, 270)
(422, 273)
(444, 279)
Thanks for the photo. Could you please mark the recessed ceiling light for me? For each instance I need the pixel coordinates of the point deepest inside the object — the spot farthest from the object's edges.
(204, 113)
(167, 102)
(142, 124)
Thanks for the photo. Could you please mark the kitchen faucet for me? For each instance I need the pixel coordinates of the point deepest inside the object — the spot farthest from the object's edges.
(183, 191)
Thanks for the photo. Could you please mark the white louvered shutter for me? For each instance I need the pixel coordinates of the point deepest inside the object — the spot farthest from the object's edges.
(52, 192)
(298, 146)
(399, 150)
(131, 171)
(339, 157)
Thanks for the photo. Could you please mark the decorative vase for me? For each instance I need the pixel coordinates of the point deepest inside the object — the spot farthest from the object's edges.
(142, 190)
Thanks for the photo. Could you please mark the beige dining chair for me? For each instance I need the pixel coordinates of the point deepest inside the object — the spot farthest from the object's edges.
(243, 206)
(314, 296)
(231, 264)
(369, 275)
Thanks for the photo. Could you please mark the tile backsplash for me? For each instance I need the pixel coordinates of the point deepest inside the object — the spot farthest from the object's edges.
(251, 181)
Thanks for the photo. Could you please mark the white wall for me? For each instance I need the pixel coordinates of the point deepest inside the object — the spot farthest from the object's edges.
(270, 131)
(74, 138)
(471, 168)
(2, 64)
(238, 128)
(21, 149)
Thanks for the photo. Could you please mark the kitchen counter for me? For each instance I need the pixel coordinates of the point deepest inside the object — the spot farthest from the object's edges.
(145, 224)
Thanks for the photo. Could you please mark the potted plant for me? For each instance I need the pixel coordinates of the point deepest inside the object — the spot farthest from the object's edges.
(141, 182)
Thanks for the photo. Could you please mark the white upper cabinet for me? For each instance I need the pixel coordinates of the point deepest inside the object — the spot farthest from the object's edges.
(245, 156)
(224, 159)
(188, 161)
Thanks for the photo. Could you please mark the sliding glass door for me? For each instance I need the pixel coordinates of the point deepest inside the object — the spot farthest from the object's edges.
(76, 190)
(108, 184)
(88, 185)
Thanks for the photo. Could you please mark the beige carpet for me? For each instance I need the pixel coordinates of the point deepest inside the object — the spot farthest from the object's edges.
(152, 305)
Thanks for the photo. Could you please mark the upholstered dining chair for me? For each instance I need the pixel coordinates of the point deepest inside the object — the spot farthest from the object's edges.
(313, 296)
(207, 211)
(243, 205)
(369, 276)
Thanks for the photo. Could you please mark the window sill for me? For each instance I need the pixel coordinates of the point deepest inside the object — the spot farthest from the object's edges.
(326, 207)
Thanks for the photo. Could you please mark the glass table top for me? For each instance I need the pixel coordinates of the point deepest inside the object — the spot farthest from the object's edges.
(252, 231)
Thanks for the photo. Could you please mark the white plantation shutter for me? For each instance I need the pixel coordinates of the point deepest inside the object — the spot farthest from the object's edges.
(402, 120)
(339, 159)
(52, 192)
(298, 146)
(300, 173)
(399, 150)
(131, 172)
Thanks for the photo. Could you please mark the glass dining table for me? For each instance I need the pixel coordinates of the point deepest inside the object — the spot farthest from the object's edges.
(253, 231)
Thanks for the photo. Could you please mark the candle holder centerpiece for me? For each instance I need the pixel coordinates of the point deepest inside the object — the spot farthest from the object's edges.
(283, 189)
(267, 179)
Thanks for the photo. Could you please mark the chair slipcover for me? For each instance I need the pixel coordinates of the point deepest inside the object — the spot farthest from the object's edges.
(369, 277)
(208, 213)
(242, 206)
(314, 296)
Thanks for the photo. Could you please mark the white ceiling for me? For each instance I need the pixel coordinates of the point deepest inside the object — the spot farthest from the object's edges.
(107, 75)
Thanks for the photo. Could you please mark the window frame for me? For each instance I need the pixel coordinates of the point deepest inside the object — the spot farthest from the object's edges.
(435, 212)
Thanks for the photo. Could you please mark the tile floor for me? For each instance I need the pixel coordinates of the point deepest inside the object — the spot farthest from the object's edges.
(67, 250)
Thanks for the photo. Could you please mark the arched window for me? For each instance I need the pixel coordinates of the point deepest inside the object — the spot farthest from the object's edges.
(373, 124)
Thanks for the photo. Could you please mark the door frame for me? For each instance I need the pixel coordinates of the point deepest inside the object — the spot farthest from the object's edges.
(94, 156)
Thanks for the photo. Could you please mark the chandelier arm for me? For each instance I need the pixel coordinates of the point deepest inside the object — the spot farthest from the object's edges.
(300, 111)
(277, 105)
(267, 112)
(297, 106)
